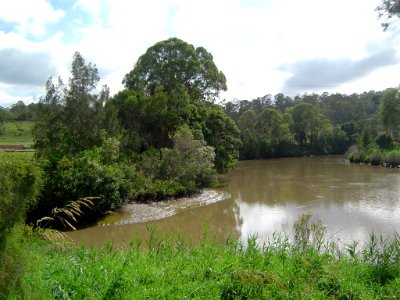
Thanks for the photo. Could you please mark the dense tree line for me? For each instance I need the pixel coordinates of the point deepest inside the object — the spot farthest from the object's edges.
(276, 126)
(18, 112)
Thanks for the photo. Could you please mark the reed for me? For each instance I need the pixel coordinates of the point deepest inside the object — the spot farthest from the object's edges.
(284, 267)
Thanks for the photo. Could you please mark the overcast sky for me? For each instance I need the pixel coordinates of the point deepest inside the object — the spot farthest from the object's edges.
(262, 46)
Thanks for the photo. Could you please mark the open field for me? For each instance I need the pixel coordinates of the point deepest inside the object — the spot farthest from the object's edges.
(17, 133)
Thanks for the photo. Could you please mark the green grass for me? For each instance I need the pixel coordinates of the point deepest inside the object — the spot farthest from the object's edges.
(12, 154)
(171, 268)
(17, 133)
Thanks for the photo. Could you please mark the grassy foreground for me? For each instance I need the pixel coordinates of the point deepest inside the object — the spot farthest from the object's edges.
(171, 268)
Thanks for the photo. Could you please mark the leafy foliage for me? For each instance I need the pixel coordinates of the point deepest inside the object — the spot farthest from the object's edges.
(390, 109)
(69, 118)
(20, 183)
(189, 162)
(157, 141)
(174, 64)
(88, 174)
(308, 124)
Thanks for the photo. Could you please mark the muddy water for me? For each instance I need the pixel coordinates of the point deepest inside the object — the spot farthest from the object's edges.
(265, 196)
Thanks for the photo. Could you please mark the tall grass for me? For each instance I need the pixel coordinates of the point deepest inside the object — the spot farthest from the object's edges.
(172, 268)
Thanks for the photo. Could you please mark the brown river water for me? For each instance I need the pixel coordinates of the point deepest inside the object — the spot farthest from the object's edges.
(265, 196)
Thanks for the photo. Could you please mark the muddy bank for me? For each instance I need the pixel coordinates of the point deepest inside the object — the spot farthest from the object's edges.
(152, 211)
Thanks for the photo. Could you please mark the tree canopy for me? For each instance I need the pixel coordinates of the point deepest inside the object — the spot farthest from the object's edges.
(390, 109)
(173, 64)
(69, 117)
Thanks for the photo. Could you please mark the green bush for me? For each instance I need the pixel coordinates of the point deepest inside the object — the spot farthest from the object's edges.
(184, 169)
(357, 156)
(20, 182)
(161, 189)
(87, 176)
(189, 162)
(392, 158)
(376, 157)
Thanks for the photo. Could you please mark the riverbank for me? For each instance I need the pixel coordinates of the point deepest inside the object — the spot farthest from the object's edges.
(171, 268)
(376, 157)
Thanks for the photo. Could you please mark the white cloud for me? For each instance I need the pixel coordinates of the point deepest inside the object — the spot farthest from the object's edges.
(249, 39)
(30, 17)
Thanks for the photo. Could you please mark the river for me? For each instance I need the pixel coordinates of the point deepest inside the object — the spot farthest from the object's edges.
(264, 196)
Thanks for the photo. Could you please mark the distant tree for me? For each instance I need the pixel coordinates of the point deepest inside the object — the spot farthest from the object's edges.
(231, 108)
(173, 63)
(365, 139)
(247, 120)
(69, 118)
(282, 102)
(20, 111)
(261, 103)
(3, 114)
(390, 110)
(307, 123)
(50, 129)
(388, 10)
(269, 131)
(2, 127)
(83, 107)
(246, 124)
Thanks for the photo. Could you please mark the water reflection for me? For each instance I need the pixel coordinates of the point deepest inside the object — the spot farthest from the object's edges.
(351, 200)
(269, 195)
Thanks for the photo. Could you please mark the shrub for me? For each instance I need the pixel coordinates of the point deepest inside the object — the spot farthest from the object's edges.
(86, 176)
(20, 182)
(184, 169)
(357, 156)
(392, 158)
(189, 162)
(96, 172)
(161, 189)
(376, 157)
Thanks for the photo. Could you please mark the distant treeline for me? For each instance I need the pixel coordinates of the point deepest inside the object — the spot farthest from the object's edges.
(18, 112)
(276, 126)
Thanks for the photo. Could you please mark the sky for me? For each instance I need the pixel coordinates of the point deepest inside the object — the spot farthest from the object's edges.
(262, 46)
